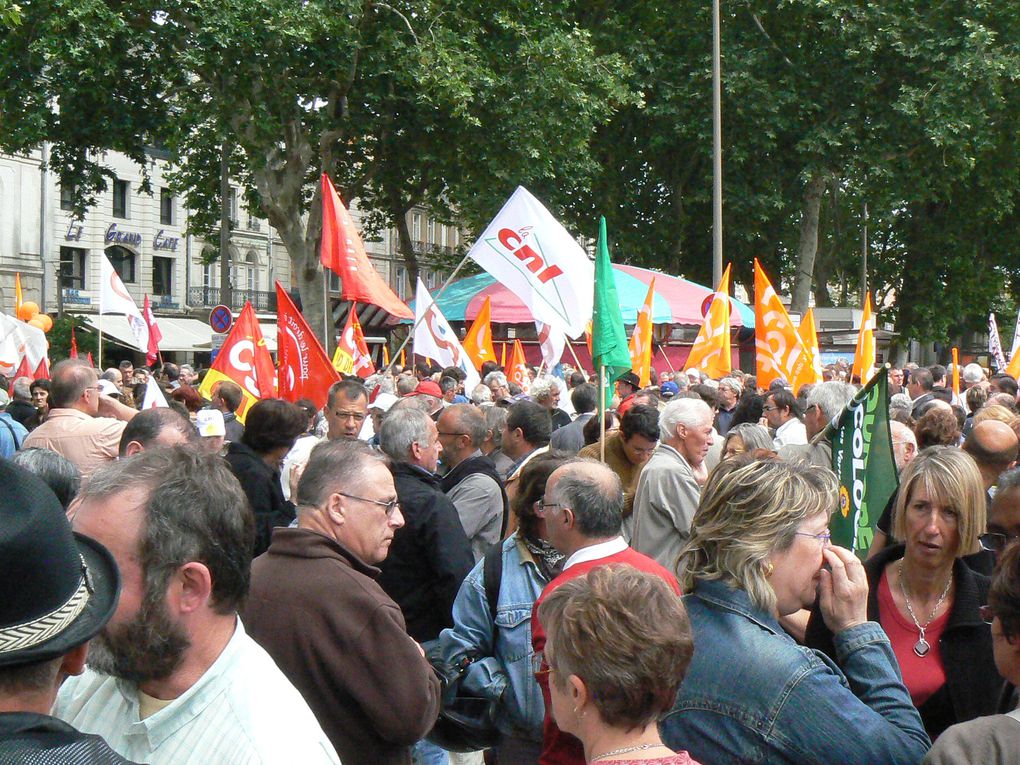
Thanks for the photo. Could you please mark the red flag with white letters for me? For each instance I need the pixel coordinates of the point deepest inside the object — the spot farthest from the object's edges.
(244, 359)
(305, 371)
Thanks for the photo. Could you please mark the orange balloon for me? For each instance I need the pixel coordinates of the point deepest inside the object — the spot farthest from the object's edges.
(36, 322)
(47, 322)
(28, 311)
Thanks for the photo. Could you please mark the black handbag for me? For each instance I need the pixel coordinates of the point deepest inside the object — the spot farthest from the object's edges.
(467, 723)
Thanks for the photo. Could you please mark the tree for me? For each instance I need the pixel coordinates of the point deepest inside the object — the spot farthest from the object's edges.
(442, 103)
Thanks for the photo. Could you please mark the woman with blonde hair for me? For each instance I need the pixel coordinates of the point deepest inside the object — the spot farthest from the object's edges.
(927, 599)
(618, 646)
(759, 550)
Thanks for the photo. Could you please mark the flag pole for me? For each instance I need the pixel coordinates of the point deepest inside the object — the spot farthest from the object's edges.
(325, 310)
(573, 353)
(667, 360)
(435, 299)
(100, 352)
(605, 410)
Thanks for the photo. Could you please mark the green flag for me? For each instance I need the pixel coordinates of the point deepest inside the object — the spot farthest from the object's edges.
(608, 339)
(862, 456)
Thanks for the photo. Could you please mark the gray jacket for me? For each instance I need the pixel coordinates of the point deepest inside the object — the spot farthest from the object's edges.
(664, 504)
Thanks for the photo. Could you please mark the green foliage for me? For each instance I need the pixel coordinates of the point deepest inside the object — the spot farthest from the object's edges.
(60, 338)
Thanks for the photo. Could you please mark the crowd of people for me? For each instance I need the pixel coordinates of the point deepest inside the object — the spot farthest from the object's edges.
(210, 582)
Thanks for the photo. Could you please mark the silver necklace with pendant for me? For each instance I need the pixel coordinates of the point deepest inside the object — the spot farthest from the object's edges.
(922, 646)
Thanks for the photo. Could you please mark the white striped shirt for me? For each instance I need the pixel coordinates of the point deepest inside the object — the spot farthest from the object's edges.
(242, 711)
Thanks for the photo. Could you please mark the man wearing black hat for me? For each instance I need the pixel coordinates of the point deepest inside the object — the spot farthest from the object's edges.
(627, 385)
(48, 613)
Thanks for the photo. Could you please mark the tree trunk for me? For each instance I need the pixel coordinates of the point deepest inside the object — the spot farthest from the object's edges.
(808, 246)
(407, 249)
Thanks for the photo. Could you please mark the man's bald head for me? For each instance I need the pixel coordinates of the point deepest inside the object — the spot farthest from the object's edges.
(993, 445)
(593, 493)
(904, 444)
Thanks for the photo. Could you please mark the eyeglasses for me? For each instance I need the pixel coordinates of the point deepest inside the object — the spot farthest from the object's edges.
(391, 506)
(987, 614)
(441, 433)
(540, 505)
(995, 541)
(825, 537)
(538, 665)
(356, 416)
(769, 408)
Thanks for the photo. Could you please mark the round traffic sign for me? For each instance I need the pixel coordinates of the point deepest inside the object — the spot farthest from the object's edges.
(220, 318)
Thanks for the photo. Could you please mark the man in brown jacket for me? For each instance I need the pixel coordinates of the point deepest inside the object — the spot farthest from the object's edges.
(316, 608)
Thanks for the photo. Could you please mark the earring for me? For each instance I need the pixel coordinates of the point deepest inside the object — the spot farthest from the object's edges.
(769, 568)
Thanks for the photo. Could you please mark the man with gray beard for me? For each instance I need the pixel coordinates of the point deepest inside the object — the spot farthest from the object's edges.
(173, 678)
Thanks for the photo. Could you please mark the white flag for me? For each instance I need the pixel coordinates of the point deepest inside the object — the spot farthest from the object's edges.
(530, 253)
(19, 341)
(1016, 337)
(113, 298)
(153, 395)
(435, 338)
(552, 341)
(995, 344)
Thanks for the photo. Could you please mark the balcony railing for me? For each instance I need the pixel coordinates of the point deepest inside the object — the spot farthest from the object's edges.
(207, 297)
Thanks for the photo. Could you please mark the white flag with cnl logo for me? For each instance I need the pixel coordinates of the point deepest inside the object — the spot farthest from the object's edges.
(434, 338)
(113, 298)
(529, 252)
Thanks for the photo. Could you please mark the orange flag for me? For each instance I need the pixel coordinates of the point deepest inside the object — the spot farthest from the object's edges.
(516, 366)
(18, 300)
(245, 360)
(779, 351)
(478, 341)
(1013, 368)
(385, 356)
(641, 340)
(864, 356)
(810, 338)
(305, 371)
(342, 251)
(502, 359)
(956, 372)
(352, 356)
(711, 350)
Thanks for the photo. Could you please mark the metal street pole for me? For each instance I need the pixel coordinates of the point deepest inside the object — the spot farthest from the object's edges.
(717, 254)
(226, 293)
(864, 256)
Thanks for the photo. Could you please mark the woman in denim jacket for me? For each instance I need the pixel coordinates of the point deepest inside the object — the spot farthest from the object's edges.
(504, 671)
(759, 550)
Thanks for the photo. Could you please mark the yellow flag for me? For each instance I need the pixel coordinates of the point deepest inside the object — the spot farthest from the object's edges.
(956, 372)
(385, 356)
(17, 294)
(864, 356)
(641, 340)
(478, 340)
(779, 350)
(810, 338)
(1013, 369)
(711, 350)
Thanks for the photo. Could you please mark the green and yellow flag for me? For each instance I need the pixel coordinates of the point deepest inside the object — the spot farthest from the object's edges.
(610, 351)
(862, 456)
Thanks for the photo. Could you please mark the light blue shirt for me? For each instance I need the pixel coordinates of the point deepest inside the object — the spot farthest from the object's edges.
(242, 711)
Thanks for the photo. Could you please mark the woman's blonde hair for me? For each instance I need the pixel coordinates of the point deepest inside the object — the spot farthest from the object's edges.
(951, 477)
(747, 512)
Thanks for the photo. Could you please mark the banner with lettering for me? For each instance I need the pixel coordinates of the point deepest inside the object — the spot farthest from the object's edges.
(779, 351)
(862, 457)
(113, 298)
(305, 371)
(244, 359)
(530, 252)
(434, 338)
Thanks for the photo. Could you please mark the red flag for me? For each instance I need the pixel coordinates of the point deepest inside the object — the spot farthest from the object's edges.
(305, 371)
(74, 344)
(342, 252)
(154, 334)
(352, 356)
(88, 358)
(245, 360)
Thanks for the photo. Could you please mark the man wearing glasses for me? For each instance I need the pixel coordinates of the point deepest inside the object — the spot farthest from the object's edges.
(316, 607)
(346, 410)
(83, 425)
